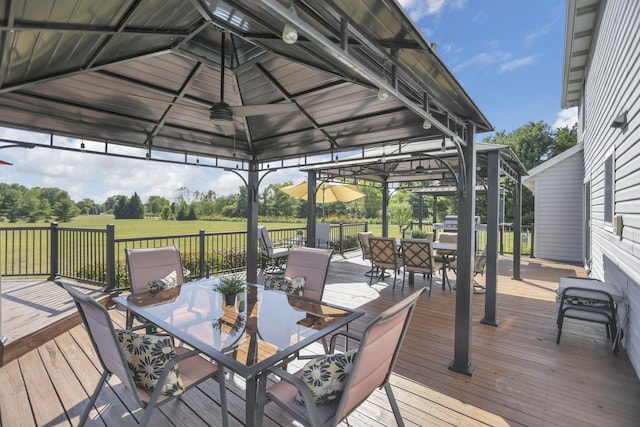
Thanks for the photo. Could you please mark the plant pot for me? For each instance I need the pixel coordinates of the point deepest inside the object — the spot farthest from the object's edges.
(230, 299)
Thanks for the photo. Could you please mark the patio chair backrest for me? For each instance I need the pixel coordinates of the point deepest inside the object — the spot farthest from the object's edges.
(146, 264)
(363, 238)
(313, 265)
(323, 234)
(377, 354)
(384, 252)
(417, 255)
(103, 337)
(448, 237)
(266, 247)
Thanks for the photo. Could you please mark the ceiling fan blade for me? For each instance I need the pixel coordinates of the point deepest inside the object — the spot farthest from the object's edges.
(180, 104)
(228, 130)
(257, 110)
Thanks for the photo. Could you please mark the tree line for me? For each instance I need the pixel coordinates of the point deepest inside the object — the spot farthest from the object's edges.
(533, 143)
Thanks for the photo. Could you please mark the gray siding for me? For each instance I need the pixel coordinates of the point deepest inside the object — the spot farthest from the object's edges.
(612, 85)
(558, 211)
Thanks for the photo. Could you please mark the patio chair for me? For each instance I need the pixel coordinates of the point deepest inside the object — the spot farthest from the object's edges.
(363, 239)
(149, 264)
(384, 254)
(323, 235)
(418, 258)
(275, 255)
(479, 265)
(192, 368)
(592, 306)
(371, 368)
(313, 265)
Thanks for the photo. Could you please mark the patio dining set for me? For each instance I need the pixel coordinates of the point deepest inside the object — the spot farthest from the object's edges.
(179, 334)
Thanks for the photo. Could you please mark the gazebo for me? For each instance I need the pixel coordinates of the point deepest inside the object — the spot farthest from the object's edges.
(249, 86)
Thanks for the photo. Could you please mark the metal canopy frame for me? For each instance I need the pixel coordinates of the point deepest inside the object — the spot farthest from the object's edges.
(144, 74)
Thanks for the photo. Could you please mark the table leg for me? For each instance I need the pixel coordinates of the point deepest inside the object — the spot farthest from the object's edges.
(411, 278)
(251, 396)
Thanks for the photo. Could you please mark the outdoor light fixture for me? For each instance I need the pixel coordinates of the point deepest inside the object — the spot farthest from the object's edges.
(620, 121)
(289, 33)
(420, 168)
(221, 114)
(426, 124)
(82, 146)
(382, 94)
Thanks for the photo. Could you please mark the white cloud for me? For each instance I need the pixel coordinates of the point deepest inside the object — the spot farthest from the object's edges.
(518, 63)
(532, 37)
(484, 59)
(418, 9)
(566, 118)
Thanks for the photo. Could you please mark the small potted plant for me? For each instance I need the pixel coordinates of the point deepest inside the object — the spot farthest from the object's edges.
(229, 286)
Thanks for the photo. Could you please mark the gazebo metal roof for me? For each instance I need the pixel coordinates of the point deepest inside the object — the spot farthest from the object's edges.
(145, 74)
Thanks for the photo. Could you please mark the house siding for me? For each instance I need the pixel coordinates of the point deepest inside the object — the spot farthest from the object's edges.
(558, 211)
(612, 86)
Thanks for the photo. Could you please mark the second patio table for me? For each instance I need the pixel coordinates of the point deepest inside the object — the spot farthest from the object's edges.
(262, 329)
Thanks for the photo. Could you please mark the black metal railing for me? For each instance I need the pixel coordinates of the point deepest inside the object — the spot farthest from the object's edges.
(505, 237)
(96, 256)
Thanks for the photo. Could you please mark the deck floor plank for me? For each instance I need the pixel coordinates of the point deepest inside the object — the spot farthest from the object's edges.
(522, 376)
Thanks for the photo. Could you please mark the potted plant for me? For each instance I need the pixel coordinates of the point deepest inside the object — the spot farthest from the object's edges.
(229, 286)
(419, 234)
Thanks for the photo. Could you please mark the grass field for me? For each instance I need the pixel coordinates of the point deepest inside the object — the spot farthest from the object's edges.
(157, 227)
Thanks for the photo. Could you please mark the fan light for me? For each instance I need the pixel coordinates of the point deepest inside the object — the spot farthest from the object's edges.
(289, 33)
(382, 94)
(426, 124)
(221, 114)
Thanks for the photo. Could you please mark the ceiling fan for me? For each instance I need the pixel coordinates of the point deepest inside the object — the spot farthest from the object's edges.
(222, 114)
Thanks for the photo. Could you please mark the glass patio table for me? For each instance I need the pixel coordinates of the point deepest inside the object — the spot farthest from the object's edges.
(262, 329)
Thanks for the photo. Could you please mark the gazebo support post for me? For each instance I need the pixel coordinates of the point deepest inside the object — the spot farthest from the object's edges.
(252, 223)
(517, 228)
(465, 257)
(311, 209)
(493, 213)
(385, 208)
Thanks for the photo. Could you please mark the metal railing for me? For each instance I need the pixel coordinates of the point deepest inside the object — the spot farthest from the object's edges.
(96, 256)
(505, 237)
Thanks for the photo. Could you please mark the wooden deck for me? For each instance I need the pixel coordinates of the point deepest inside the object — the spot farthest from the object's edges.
(522, 377)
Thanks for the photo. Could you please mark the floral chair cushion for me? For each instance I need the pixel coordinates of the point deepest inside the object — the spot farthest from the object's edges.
(290, 285)
(171, 281)
(147, 356)
(326, 375)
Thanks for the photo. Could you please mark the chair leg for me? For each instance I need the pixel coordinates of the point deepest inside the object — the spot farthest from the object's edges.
(394, 405)
(85, 415)
(223, 396)
(430, 283)
(560, 321)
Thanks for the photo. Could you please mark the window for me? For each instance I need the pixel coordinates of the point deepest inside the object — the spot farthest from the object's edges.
(608, 188)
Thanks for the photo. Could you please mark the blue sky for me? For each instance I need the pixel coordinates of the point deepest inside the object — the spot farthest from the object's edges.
(507, 54)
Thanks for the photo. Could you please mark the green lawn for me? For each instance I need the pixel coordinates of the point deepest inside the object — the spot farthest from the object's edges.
(158, 227)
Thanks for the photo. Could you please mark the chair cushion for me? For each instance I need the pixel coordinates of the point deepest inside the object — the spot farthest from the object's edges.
(326, 375)
(291, 285)
(147, 355)
(170, 281)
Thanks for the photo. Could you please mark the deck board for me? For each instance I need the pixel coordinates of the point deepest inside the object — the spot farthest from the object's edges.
(521, 378)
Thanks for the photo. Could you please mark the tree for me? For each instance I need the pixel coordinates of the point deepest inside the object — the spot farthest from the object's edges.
(120, 210)
(64, 210)
(156, 204)
(400, 210)
(135, 209)
(533, 143)
(88, 207)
